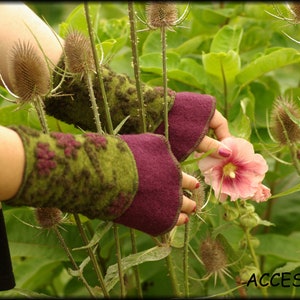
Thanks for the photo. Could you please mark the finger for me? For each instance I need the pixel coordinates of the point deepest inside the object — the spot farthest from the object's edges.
(188, 206)
(182, 219)
(189, 181)
(218, 148)
(220, 125)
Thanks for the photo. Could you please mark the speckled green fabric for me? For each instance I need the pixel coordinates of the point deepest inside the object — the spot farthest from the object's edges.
(72, 104)
(101, 184)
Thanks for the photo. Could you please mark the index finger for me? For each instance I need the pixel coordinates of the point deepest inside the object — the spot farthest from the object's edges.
(220, 125)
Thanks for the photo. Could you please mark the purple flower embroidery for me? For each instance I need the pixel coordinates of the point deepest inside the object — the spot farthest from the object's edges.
(117, 206)
(68, 142)
(98, 140)
(45, 159)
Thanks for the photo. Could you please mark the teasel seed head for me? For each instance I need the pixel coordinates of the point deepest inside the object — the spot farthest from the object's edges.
(213, 255)
(78, 51)
(28, 72)
(283, 126)
(161, 14)
(295, 7)
(48, 217)
(198, 195)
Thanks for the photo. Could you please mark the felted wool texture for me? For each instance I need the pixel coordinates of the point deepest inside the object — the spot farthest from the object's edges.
(189, 121)
(157, 204)
(72, 105)
(91, 174)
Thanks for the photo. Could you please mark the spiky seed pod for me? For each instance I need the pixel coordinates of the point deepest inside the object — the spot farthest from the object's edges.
(295, 7)
(198, 195)
(48, 217)
(78, 51)
(283, 127)
(161, 14)
(213, 255)
(28, 72)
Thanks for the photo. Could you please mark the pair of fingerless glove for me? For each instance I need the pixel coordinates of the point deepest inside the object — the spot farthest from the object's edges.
(132, 178)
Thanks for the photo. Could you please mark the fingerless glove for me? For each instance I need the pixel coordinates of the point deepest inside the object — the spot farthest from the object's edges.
(189, 113)
(133, 180)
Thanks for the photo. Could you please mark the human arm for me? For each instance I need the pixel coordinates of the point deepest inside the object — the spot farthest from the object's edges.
(190, 114)
(133, 180)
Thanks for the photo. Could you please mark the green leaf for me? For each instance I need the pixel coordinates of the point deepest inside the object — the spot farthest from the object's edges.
(76, 19)
(227, 38)
(39, 273)
(222, 69)
(280, 246)
(152, 254)
(241, 125)
(152, 62)
(26, 239)
(288, 267)
(190, 45)
(178, 232)
(264, 64)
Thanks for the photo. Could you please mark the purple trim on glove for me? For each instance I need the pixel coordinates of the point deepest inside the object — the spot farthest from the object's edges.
(189, 121)
(156, 206)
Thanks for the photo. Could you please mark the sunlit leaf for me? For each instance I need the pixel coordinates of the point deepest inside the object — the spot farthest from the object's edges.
(266, 63)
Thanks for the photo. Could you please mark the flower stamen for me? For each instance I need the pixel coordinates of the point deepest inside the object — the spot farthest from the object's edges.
(229, 170)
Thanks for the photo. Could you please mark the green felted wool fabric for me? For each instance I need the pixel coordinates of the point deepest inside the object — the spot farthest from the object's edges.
(92, 174)
(72, 104)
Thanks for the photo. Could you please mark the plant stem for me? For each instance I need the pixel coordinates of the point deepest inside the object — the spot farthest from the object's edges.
(89, 84)
(121, 277)
(66, 249)
(171, 270)
(254, 257)
(98, 69)
(38, 103)
(165, 77)
(92, 256)
(296, 163)
(109, 128)
(185, 261)
(135, 268)
(135, 60)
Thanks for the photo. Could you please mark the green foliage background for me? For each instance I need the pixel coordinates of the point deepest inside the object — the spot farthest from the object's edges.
(238, 53)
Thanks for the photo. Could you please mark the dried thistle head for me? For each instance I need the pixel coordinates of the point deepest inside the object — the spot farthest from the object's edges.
(28, 72)
(48, 217)
(283, 125)
(161, 14)
(78, 51)
(198, 195)
(295, 9)
(213, 256)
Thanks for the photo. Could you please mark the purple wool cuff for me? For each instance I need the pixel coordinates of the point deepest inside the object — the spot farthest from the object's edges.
(189, 120)
(156, 206)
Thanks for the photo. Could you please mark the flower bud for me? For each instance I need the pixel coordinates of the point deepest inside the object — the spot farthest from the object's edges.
(253, 240)
(283, 124)
(213, 255)
(48, 217)
(247, 272)
(161, 14)
(246, 207)
(231, 213)
(249, 220)
(28, 72)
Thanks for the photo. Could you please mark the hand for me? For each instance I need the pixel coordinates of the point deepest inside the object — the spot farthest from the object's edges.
(188, 206)
(220, 126)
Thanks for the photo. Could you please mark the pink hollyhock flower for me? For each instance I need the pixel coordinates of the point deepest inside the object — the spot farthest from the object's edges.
(262, 193)
(238, 176)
